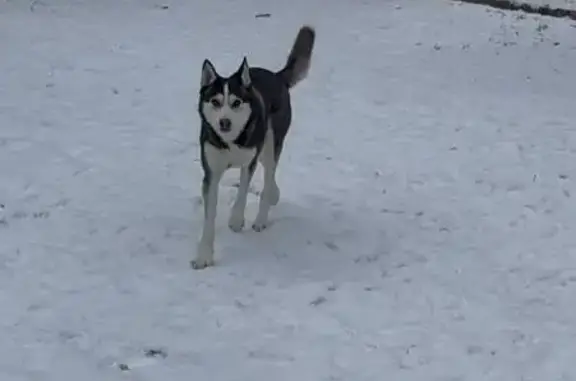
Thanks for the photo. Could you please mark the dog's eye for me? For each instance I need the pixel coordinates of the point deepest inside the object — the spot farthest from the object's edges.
(215, 102)
(236, 104)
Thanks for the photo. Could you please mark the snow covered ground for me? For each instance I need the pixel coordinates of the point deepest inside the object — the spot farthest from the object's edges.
(426, 230)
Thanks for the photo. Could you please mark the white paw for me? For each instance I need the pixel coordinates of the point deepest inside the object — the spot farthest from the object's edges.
(236, 222)
(274, 195)
(260, 224)
(201, 263)
(204, 258)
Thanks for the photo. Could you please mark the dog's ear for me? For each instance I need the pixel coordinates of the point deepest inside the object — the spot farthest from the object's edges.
(209, 74)
(245, 73)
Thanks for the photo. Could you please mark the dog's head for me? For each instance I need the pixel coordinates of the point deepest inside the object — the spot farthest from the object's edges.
(225, 102)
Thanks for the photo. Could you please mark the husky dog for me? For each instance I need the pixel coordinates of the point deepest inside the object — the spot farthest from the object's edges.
(245, 118)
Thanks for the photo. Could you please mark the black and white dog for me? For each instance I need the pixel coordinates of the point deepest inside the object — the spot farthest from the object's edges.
(245, 118)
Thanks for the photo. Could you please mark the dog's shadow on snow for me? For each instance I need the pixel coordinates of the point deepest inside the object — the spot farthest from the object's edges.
(321, 242)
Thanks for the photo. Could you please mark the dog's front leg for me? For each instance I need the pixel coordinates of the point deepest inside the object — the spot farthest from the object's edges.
(205, 253)
(236, 222)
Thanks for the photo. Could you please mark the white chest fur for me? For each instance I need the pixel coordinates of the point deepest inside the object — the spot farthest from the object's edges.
(234, 156)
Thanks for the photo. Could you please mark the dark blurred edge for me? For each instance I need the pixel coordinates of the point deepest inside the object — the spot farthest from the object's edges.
(508, 5)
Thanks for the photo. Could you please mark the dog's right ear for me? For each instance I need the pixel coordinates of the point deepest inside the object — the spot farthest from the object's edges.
(209, 74)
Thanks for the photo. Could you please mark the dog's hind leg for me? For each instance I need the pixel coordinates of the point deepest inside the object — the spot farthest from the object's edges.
(270, 193)
(275, 191)
(236, 221)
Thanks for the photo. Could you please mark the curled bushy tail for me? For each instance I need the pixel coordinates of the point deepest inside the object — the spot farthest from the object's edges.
(298, 63)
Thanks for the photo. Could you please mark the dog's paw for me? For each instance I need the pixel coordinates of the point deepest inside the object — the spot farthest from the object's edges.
(259, 225)
(201, 263)
(204, 258)
(236, 222)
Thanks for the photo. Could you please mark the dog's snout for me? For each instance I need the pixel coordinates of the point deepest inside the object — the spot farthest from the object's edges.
(225, 125)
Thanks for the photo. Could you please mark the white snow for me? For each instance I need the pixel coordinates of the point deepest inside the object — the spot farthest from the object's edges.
(426, 228)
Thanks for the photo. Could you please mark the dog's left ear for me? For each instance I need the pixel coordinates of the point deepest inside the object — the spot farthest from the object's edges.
(245, 73)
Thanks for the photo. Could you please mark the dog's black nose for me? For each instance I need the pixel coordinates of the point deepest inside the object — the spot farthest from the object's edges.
(225, 125)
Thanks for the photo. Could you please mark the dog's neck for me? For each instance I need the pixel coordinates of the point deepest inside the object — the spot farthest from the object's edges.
(212, 137)
(245, 138)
